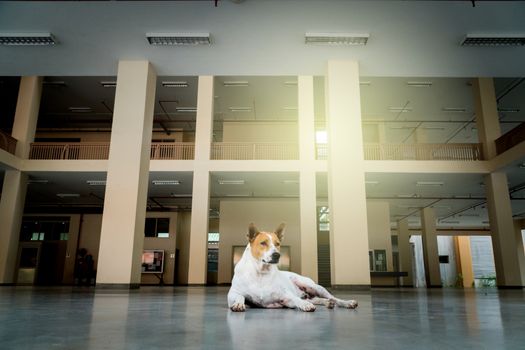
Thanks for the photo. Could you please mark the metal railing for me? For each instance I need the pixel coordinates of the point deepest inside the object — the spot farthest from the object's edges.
(420, 151)
(7, 142)
(254, 151)
(100, 150)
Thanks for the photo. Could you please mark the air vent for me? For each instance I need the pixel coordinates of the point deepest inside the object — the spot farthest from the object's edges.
(165, 182)
(493, 40)
(27, 39)
(168, 39)
(175, 84)
(336, 38)
(96, 182)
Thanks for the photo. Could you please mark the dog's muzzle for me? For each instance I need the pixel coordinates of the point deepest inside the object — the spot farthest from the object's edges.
(275, 258)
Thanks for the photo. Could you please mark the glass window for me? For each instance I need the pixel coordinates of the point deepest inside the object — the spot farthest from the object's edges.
(380, 260)
(324, 219)
(157, 227)
(149, 228)
(47, 228)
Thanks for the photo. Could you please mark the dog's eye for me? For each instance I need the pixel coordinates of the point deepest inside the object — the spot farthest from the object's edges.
(277, 244)
(264, 243)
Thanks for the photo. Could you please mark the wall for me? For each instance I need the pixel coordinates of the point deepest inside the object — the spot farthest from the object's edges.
(236, 215)
(183, 246)
(379, 235)
(259, 132)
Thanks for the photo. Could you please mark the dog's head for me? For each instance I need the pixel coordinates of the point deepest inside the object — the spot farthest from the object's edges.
(265, 246)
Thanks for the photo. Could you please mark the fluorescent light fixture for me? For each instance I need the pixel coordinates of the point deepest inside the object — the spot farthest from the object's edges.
(508, 110)
(235, 83)
(68, 195)
(402, 127)
(290, 196)
(240, 109)
(27, 39)
(454, 109)
(419, 83)
(469, 215)
(373, 183)
(165, 182)
(57, 83)
(336, 38)
(290, 108)
(365, 83)
(237, 195)
(176, 195)
(80, 109)
(175, 84)
(186, 109)
(291, 182)
(290, 83)
(430, 183)
(449, 222)
(433, 128)
(108, 84)
(400, 109)
(405, 196)
(40, 182)
(493, 40)
(169, 39)
(96, 182)
(231, 182)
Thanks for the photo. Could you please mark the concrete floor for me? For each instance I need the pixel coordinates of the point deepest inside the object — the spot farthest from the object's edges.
(197, 318)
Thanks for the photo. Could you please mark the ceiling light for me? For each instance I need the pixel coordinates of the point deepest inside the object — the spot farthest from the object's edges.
(336, 38)
(449, 222)
(454, 109)
(186, 109)
(406, 195)
(27, 39)
(365, 83)
(469, 215)
(80, 109)
(237, 195)
(68, 195)
(373, 183)
(433, 128)
(290, 108)
(165, 182)
(30, 182)
(402, 127)
(176, 195)
(231, 182)
(290, 83)
(235, 83)
(430, 183)
(508, 110)
(168, 39)
(96, 182)
(108, 84)
(175, 84)
(240, 109)
(291, 182)
(493, 40)
(400, 109)
(57, 83)
(419, 83)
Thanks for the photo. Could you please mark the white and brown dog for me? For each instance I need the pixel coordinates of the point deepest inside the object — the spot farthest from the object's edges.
(258, 281)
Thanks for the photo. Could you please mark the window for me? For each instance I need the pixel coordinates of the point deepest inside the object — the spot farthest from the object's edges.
(157, 227)
(324, 219)
(48, 228)
(377, 260)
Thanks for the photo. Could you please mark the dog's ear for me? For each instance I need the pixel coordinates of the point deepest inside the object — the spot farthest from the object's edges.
(280, 231)
(252, 232)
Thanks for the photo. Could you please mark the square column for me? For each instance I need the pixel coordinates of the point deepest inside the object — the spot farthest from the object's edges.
(504, 240)
(464, 260)
(346, 177)
(11, 210)
(430, 248)
(405, 252)
(487, 119)
(122, 235)
(26, 115)
(197, 267)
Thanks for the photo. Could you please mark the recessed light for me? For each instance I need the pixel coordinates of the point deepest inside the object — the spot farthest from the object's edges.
(235, 83)
(336, 38)
(80, 109)
(419, 83)
(231, 182)
(108, 84)
(186, 109)
(27, 39)
(169, 39)
(430, 183)
(68, 195)
(175, 84)
(493, 40)
(165, 182)
(454, 109)
(96, 182)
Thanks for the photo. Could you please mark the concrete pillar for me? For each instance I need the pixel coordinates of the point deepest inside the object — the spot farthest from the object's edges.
(486, 110)
(346, 177)
(122, 233)
(518, 226)
(307, 187)
(464, 260)
(11, 210)
(197, 266)
(504, 240)
(430, 248)
(405, 252)
(26, 115)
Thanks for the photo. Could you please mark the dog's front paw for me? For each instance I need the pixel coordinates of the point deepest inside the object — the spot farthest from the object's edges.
(306, 306)
(238, 307)
(349, 304)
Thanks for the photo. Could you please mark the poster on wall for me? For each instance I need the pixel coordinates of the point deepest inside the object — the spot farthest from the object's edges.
(153, 261)
(284, 261)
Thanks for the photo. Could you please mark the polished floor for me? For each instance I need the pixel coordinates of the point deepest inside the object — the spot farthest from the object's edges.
(197, 318)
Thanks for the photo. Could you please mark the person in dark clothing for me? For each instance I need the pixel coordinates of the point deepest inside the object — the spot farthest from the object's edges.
(84, 267)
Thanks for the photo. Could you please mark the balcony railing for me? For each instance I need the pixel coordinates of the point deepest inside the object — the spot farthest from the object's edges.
(100, 150)
(7, 142)
(254, 151)
(421, 151)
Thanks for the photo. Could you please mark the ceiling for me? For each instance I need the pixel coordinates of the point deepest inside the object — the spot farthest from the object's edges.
(407, 38)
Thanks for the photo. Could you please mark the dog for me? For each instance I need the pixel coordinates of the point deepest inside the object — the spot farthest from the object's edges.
(258, 282)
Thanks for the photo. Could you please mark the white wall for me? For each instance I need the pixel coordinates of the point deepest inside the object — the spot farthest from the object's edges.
(379, 235)
(260, 132)
(236, 215)
(183, 246)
